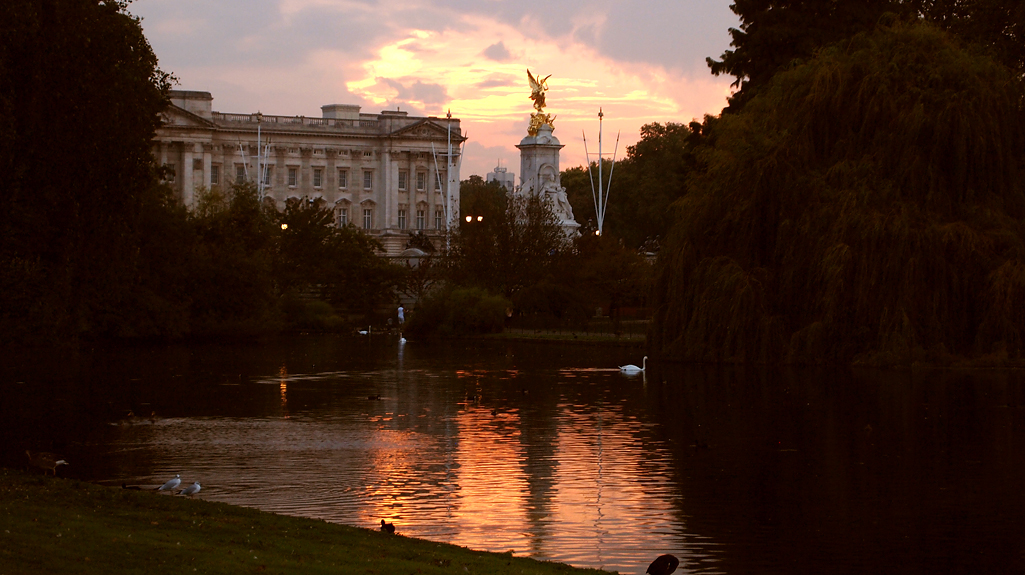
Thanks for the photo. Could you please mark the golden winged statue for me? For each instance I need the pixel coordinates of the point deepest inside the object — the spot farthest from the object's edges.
(537, 90)
(537, 94)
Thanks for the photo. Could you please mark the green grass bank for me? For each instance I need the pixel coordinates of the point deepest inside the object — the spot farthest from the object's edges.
(52, 525)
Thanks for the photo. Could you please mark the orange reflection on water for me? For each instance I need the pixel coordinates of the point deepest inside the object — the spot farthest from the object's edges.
(283, 387)
(489, 512)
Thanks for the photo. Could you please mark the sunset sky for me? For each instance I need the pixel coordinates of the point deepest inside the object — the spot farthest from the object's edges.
(639, 61)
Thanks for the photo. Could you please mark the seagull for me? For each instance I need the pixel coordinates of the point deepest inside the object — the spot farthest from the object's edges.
(631, 368)
(663, 565)
(171, 484)
(365, 331)
(45, 461)
(191, 489)
(387, 527)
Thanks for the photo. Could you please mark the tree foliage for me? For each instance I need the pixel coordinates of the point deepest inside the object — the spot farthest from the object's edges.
(865, 205)
(78, 80)
(515, 243)
(775, 34)
(643, 184)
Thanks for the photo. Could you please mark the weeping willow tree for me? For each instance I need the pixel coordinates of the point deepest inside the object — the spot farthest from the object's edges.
(865, 207)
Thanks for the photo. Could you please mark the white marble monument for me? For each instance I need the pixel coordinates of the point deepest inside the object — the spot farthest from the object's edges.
(539, 159)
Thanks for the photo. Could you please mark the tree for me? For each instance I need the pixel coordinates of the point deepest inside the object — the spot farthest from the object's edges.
(515, 242)
(231, 262)
(866, 205)
(644, 183)
(776, 34)
(339, 264)
(76, 77)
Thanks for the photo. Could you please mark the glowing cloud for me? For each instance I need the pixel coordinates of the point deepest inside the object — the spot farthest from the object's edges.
(490, 93)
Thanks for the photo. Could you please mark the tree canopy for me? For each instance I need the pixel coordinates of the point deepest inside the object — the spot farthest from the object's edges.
(864, 205)
(80, 93)
(775, 34)
(516, 242)
(644, 183)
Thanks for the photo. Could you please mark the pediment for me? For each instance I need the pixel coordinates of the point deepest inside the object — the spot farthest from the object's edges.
(428, 128)
(176, 117)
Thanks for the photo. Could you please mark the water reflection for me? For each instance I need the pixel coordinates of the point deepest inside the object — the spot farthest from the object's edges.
(551, 452)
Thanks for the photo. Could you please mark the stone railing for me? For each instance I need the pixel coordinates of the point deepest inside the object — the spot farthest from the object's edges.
(294, 120)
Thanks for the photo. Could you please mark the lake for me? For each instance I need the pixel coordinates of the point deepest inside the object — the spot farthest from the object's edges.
(550, 451)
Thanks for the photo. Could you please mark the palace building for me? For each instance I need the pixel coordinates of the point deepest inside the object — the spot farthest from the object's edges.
(389, 173)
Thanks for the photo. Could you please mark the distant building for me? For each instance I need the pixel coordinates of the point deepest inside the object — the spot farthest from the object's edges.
(503, 177)
(386, 173)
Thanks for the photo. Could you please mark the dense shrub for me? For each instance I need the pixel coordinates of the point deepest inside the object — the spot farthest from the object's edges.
(458, 311)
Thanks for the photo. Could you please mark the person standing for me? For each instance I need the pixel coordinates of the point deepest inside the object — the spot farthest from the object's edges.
(402, 315)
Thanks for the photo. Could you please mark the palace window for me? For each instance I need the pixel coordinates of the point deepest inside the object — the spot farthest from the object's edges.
(215, 175)
(342, 217)
(240, 173)
(421, 181)
(368, 179)
(437, 183)
(368, 219)
(293, 177)
(439, 219)
(420, 217)
(343, 179)
(267, 175)
(403, 179)
(170, 174)
(402, 219)
(318, 177)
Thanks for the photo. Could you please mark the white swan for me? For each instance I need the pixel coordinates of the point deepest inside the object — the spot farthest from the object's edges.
(631, 368)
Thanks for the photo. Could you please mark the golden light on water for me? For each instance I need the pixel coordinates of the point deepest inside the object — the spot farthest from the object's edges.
(283, 387)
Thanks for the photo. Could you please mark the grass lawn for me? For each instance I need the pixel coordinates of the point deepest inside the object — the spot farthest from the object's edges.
(63, 526)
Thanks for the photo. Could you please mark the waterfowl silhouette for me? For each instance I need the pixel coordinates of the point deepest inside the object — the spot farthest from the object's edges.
(630, 368)
(387, 527)
(663, 565)
(45, 461)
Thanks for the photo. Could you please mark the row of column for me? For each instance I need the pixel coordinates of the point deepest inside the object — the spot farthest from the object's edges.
(385, 193)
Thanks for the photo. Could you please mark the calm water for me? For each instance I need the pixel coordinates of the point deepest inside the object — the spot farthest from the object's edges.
(551, 452)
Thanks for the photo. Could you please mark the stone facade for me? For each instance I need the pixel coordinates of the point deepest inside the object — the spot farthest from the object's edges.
(387, 173)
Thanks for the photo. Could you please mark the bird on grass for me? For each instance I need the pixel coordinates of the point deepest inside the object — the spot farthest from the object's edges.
(190, 490)
(171, 484)
(631, 368)
(387, 527)
(45, 461)
(663, 565)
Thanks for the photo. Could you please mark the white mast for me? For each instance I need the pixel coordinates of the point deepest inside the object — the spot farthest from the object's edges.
(601, 196)
(448, 177)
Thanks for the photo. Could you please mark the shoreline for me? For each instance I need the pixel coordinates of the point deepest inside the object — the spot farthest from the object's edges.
(61, 525)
